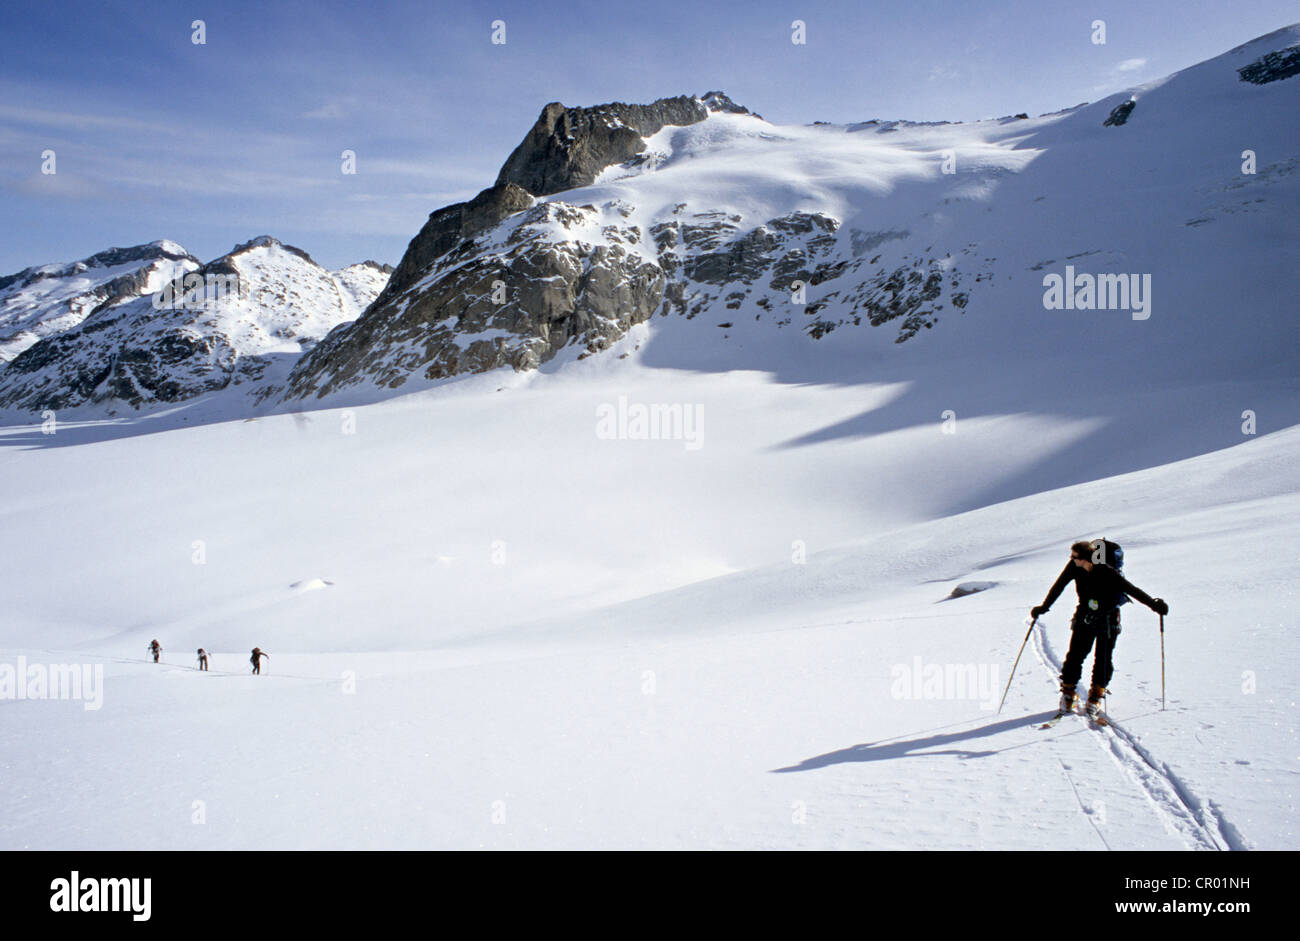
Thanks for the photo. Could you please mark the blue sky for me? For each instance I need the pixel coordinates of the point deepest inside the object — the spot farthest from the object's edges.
(209, 145)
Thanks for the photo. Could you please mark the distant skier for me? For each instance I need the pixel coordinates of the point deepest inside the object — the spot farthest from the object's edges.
(203, 659)
(1096, 620)
(155, 648)
(256, 660)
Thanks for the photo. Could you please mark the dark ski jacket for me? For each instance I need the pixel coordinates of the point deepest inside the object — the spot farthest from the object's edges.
(1102, 585)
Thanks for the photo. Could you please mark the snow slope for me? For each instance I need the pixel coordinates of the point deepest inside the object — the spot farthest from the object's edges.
(463, 564)
(494, 623)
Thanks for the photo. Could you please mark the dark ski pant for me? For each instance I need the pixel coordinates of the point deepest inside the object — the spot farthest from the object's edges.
(1085, 631)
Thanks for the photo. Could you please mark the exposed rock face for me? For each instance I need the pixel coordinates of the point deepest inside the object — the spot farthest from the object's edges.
(260, 302)
(770, 262)
(558, 275)
(513, 300)
(46, 300)
(566, 148)
(453, 224)
(1119, 114)
(66, 371)
(1273, 67)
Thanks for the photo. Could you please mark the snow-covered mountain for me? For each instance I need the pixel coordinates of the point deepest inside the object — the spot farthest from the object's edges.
(866, 235)
(46, 300)
(694, 211)
(232, 323)
(700, 566)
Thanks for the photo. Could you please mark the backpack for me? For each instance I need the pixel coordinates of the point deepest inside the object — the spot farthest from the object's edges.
(1112, 555)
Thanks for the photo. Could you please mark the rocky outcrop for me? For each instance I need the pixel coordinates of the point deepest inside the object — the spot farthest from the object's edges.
(450, 226)
(1272, 67)
(514, 301)
(801, 255)
(566, 148)
(562, 276)
(1119, 114)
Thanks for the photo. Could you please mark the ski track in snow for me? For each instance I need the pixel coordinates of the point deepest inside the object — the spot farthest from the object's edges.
(1175, 804)
(1087, 811)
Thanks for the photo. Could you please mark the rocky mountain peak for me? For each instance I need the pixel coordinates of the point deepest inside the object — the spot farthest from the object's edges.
(142, 254)
(718, 101)
(265, 241)
(566, 148)
(160, 250)
(370, 263)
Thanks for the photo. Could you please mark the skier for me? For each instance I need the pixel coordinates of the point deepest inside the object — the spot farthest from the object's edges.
(155, 648)
(256, 659)
(1096, 620)
(203, 659)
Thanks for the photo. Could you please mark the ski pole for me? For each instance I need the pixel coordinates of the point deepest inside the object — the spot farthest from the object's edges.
(1016, 664)
(1162, 661)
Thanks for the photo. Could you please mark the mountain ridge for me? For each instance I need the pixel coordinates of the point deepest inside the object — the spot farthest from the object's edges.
(878, 223)
(206, 328)
(608, 217)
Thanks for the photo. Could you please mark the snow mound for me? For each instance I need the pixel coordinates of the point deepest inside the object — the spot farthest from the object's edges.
(970, 588)
(311, 584)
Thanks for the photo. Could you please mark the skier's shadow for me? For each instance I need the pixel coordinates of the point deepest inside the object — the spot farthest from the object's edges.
(888, 750)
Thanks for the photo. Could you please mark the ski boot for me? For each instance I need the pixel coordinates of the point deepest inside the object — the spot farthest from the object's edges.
(1093, 709)
(1068, 700)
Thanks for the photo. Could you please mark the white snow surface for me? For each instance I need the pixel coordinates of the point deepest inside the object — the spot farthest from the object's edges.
(286, 299)
(609, 643)
(536, 636)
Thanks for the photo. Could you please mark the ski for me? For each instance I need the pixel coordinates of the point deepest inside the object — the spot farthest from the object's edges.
(1055, 719)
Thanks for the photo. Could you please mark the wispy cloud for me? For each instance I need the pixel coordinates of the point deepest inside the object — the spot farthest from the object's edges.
(1119, 76)
(332, 110)
(75, 121)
